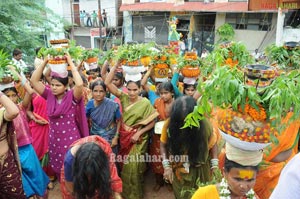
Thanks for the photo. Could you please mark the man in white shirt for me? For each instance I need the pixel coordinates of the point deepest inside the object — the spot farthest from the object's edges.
(17, 59)
(288, 186)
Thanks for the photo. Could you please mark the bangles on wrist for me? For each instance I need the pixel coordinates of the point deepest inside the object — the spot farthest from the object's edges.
(166, 163)
(214, 163)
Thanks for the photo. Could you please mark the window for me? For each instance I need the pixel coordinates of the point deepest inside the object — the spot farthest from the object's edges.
(292, 19)
(250, 21)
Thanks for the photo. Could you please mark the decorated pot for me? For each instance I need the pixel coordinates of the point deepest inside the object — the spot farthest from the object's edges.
(145, 60)
(189, 71)
(91, 60)
(291, 45)
(260, 71)
(244, 127)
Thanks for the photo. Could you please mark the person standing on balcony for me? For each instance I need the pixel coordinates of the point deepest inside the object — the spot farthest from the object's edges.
(104, 16)
(82, 16)
(94, 17)
(88, 21)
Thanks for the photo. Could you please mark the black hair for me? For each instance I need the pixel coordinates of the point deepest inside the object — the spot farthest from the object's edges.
(167, 86)
(188, 141)
(144, 93)
(228, 165)
(63, 80)
(70, 74)
(98, 83)
(29, 70)
(180, 78)
(85, 81)
(95, 70)
(185, 86)
(17, 52)
(91, 172)
(138, 83)
(10, 89)
(119, 75)
(37, 50)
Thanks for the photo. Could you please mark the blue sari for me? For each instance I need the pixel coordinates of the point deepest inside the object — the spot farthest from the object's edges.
(103, 118)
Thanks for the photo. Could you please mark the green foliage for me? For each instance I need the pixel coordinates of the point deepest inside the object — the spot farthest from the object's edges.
(235, 50)
(108, 55)
(22, 23)
(134, 52)
(89, 53)
(5, 62)
(283, 96)
(225, 88)
(163, 56)
(181, 62)
(225, 32)
(75, 51)
(284, 57)
(55, 52)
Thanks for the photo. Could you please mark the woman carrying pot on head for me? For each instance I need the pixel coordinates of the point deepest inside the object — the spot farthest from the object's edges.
(65, 110)
(10, 169)
(189, 154)
(240, 171)
(137, 119)
(89, 170)
(104, 115)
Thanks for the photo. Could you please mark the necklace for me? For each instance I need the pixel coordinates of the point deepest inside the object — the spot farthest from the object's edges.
(225, 192)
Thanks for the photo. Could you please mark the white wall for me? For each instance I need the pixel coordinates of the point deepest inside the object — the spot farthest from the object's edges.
(251, 38)
(290, 34)
(57, 7)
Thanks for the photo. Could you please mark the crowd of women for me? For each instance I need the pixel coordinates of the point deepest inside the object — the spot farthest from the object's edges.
(68, 128)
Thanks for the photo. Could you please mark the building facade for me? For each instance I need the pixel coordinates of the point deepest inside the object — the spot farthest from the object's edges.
(255, 26)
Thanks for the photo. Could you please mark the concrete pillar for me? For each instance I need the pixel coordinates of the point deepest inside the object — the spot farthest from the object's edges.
(127, 26)
(220, 20)
(279, 27)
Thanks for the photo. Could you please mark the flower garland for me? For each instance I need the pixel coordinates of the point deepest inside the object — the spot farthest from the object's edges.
(225, 192)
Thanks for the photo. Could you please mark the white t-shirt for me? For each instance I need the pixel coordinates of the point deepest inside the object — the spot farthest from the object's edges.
(20, 64)
(288, 186)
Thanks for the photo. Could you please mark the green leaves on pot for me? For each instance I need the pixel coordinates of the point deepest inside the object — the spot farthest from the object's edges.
(89, 53)
(284, 57)
(5, 62)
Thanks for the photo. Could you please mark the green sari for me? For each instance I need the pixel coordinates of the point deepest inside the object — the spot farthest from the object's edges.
(134, 117)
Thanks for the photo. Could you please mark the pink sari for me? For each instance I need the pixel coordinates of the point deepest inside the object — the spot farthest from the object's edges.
(40, 133)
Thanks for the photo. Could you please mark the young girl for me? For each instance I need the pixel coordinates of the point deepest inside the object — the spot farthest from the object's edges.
(163, 106)
(104, 115)
(189, 89)
(65, 110)
(137, 119)
(34, 179)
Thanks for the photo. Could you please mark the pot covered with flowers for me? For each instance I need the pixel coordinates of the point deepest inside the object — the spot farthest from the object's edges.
(90, 55)
(57, 60)
(162, 60)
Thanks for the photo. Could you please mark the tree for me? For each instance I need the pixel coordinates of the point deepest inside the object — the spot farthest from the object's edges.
(225, 32)
(22, 25)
